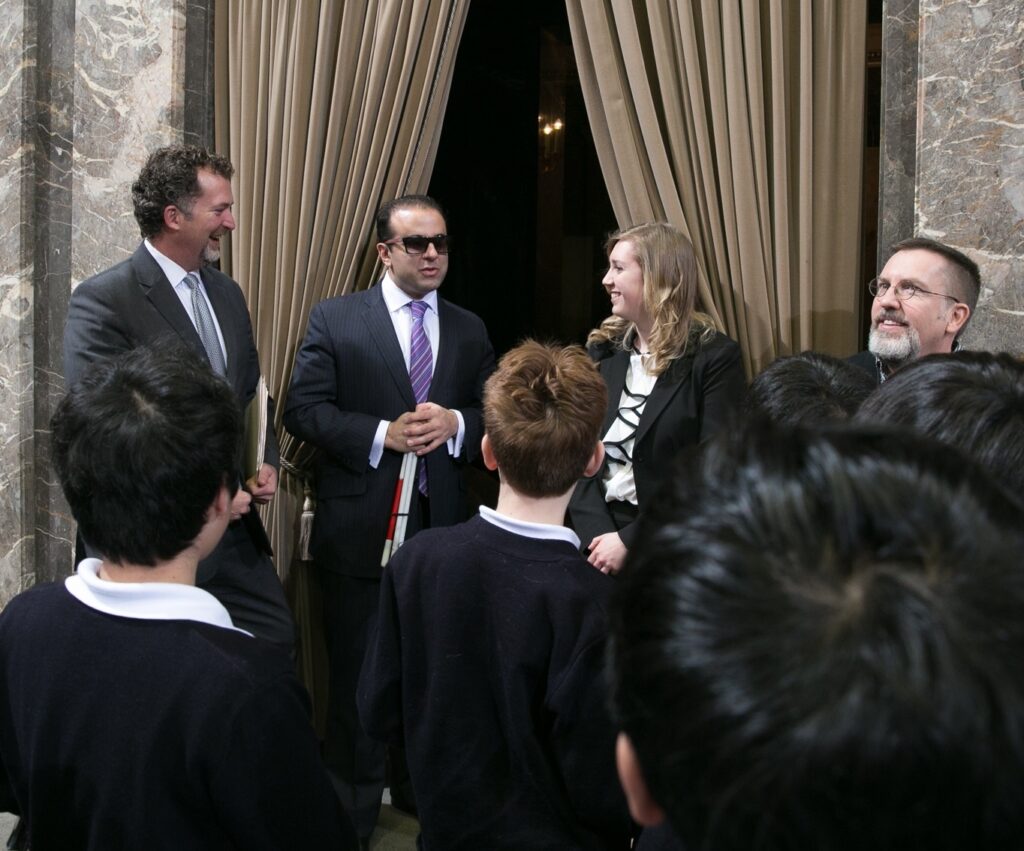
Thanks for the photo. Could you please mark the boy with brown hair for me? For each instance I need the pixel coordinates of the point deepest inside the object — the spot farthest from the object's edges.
(487, 661)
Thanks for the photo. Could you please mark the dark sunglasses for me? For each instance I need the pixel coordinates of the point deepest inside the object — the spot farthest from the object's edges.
(417, 244)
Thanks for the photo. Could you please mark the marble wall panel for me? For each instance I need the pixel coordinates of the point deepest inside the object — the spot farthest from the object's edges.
(129, 70)
(86, 90)
(898, 156)
(16, 56)
(49, 122)
(970, 152)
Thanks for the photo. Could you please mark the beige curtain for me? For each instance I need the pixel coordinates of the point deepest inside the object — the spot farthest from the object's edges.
(740, 122)
(326, 109)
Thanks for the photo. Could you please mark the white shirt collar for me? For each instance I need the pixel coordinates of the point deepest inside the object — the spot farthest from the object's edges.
(158, 601)
(395, 298)
(173, 272)
(540, 531)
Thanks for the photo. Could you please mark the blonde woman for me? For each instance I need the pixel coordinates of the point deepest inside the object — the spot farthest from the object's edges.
(673, 381)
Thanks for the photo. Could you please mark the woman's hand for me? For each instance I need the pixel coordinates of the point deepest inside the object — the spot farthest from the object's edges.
(607, 552)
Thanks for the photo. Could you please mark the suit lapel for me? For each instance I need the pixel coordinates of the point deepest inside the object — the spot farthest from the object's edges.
(665, 388)
(382, 332)
(614, 371)
(161, 295)
(444, 369)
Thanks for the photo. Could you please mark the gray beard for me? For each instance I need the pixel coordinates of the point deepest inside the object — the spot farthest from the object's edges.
(210, 255)
(895, 350)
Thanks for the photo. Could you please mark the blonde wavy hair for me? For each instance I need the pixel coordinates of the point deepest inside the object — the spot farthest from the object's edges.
(669, 271)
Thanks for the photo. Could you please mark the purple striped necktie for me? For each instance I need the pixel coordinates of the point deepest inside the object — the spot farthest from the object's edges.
(421, 370)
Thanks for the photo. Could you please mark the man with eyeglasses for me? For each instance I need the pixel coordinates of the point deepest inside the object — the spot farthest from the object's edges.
(383, 373)
(923, 300)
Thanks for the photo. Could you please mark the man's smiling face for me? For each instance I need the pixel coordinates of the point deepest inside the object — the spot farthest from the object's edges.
(207, 220)
(925, 324)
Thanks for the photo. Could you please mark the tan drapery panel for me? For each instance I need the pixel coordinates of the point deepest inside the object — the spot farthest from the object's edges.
(739, 121)
(326, 109)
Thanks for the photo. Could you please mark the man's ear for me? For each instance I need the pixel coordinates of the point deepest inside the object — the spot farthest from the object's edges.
(642, 806)
(958, 317)
(384, 254)
(487, 453)
(595, 462)
(172, 218)
(221, 504)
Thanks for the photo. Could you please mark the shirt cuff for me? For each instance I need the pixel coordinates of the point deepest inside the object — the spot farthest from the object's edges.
(377, 447)
(455, 443)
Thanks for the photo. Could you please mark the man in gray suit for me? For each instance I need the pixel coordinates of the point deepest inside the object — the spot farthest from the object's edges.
(168, 290)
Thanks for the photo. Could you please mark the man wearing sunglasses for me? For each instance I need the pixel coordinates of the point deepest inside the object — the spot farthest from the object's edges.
(382, 373)
(923, 300)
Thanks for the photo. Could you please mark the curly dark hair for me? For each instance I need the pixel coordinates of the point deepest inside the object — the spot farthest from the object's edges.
(171, 176)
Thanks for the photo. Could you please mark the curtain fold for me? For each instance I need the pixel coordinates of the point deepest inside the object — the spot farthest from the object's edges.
(326, 109)
(741, 122)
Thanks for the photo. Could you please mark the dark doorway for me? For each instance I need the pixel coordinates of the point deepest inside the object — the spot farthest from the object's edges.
(528, 209)
(518, 174)
(872, 150)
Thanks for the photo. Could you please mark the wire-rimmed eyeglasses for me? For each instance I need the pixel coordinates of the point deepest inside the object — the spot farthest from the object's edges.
(903, 290)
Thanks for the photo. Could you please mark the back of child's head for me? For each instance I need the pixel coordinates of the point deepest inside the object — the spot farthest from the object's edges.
(817, 645)
(971, 400)
(543, 410)
(807, 389)
(141, 445)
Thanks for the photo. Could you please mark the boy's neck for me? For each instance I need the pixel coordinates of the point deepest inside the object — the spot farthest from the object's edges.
(550, 510)
(180, 570)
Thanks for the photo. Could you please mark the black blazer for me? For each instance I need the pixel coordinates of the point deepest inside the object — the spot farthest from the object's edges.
(692, 400)
(349, 375)
(133, 304)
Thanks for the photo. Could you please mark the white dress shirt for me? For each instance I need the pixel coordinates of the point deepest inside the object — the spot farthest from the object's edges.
(620, 482)
(176, 276)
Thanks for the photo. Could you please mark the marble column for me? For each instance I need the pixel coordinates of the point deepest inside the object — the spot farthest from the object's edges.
(970, 185)
(17, 59)
(965, 180)
(898, 155)
(95, 87)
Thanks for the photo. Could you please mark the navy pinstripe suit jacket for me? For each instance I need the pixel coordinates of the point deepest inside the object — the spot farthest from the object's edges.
(349, 375)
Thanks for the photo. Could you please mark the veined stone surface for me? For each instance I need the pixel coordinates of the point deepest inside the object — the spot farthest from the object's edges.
(86, 91)
(970, 152)
(128, 101)
(16, 404)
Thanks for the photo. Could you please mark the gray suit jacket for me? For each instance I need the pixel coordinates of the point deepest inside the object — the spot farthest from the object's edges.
(133, 304)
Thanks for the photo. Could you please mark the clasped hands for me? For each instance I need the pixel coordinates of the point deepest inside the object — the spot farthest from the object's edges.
(422, 430)
(258, 489)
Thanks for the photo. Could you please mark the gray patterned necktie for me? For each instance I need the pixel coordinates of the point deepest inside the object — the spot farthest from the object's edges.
(204, 325)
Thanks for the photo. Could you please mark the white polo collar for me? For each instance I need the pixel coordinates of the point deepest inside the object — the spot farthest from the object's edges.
(540, 531)
(160, 601)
